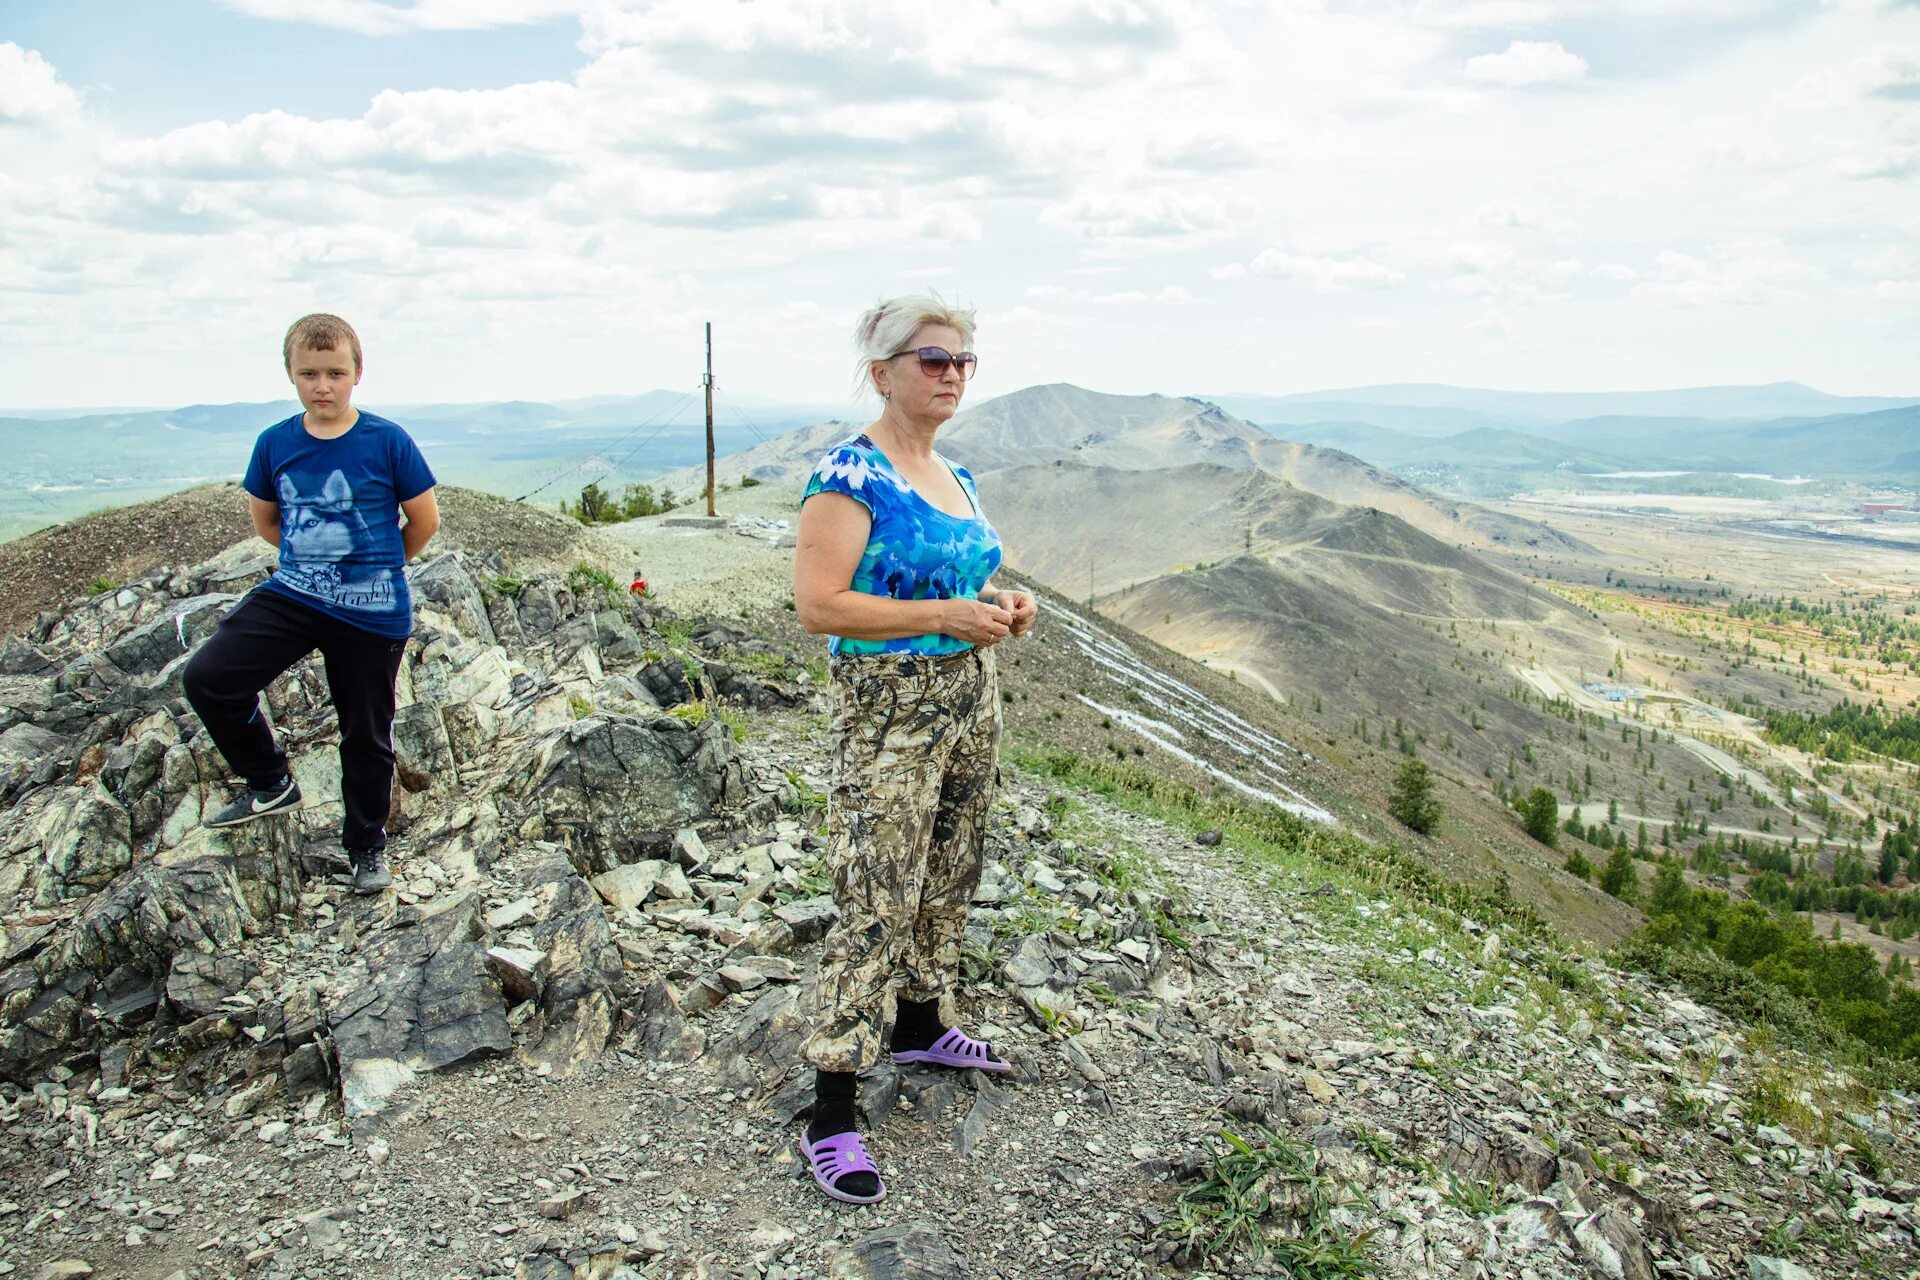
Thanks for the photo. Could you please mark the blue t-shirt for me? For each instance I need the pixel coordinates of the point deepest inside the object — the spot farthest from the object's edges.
(915, 551)
(340, 547)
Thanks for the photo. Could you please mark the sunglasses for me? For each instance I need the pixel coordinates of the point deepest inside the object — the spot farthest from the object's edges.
(935, 361)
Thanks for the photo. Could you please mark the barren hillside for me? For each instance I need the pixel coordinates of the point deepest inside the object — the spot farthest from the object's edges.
(563, 1046)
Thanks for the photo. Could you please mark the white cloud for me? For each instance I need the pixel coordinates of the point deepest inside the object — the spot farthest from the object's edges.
(1324, 272)
(1745, 273)
(1892, 74)
(30, 89)
(720, 158)
(1892, 162)
(1138, 214)
(378, 18)
(1527, 62)
(481, 134)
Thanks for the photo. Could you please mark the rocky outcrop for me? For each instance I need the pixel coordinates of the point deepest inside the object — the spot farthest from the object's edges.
(105, 775)
(613, 790)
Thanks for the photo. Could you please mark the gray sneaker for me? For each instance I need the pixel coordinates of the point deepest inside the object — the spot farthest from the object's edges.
(255, 803)
(370, 872)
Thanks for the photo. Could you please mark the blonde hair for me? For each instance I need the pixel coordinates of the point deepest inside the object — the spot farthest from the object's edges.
(320, 332)
(888, 326)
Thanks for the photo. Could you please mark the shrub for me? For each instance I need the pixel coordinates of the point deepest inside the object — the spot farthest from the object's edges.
(596, 506)
(1577, 865)
(1412, 800)
(1620, 877)
(584, 579)
(1540, 815)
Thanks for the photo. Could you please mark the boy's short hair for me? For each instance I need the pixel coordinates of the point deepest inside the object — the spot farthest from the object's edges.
(320, 332)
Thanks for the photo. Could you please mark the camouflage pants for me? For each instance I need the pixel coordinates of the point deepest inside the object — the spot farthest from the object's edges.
(914, 766)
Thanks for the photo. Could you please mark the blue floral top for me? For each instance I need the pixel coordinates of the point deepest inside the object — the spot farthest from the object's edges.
(915, 551)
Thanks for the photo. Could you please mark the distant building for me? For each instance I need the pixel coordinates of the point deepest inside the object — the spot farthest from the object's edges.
(1614, 692)
(1882, 508)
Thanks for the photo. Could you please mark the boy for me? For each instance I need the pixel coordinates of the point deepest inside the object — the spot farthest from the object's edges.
(327, 487)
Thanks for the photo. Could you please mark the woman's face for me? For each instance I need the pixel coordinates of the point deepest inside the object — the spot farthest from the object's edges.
(916, 394)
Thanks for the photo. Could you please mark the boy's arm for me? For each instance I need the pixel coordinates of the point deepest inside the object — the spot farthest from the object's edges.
(266, 518)
(423, 521)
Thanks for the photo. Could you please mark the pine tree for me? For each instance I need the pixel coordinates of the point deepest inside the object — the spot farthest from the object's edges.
(1670, 895)
(1577, 865)
(1619, 877)
(1412, 800)
(1540, 815)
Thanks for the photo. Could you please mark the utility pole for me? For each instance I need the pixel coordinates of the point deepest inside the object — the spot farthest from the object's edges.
(707, 382)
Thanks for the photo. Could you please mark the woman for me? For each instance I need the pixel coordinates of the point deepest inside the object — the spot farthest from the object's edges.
(894, 562)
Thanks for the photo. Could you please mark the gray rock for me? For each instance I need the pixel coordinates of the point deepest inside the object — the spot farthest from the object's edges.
(626, 887)
(988, 1102)
(616, 637)
(87, 849)
(91, 675)
(908, 1251)
(603, 785)
(809, 919)
(133, 774)
(579, 1010)
(1612, 1243)
(148, 648)
(1040, 973)
(763, 1043)
(198, 984)
(1476, 1152)
(522, 971)
(444, 585)
(136, 926)
(25, 743)
(27, 698)
(21, 657)
(665, 1035)
(64, 1269)
(543, 1266)
(422, 751)
(427, 999)
(1763, 1268)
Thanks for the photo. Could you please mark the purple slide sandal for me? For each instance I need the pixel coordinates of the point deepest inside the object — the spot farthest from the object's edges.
(955, 1049)
(832, 1159)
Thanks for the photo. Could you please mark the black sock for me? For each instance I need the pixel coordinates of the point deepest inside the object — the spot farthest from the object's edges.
(917, 1025)
(833, 1095)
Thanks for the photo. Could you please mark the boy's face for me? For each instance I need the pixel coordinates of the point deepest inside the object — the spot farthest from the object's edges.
(325, 381)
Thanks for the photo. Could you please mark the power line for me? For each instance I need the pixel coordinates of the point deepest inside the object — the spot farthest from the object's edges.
(736, 411)
(668, 412)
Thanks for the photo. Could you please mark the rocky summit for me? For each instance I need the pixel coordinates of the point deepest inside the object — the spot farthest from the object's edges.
(1246, 1043)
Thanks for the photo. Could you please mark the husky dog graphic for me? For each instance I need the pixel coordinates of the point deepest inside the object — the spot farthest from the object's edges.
(318, 536)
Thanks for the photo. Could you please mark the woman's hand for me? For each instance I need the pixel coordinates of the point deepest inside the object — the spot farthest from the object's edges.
(977, 623)
(1021, 607)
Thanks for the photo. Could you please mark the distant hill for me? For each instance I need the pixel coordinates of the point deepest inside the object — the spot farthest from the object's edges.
(1866, 446)
(1441, 406)
(56, 465)
(1063, 423)
(1085, 528)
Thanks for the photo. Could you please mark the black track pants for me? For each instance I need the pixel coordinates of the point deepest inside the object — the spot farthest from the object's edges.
(263, 636)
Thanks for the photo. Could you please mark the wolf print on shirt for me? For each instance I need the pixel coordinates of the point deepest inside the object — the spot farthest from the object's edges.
(318, 534)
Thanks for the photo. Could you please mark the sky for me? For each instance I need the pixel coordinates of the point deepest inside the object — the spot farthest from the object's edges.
(542, 199)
